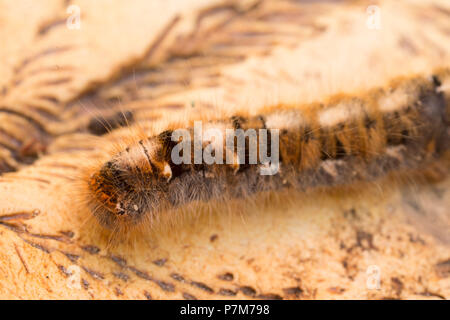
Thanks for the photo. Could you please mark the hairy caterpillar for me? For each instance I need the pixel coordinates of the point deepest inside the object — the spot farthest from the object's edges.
(401, 127)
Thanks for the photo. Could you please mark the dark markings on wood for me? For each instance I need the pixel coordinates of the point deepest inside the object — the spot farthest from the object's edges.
(270, 296)
(248, 291)
(119, 261)
(177, 277)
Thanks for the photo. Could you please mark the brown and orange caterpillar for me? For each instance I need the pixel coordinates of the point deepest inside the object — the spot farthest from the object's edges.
(403, 126)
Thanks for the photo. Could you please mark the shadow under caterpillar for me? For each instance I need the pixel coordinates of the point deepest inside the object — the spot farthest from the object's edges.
(404, 126)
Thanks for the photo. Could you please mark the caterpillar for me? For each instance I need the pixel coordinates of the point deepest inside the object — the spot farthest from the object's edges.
(403, 126)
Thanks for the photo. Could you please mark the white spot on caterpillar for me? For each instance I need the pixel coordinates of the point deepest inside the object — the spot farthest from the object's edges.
(284, 120)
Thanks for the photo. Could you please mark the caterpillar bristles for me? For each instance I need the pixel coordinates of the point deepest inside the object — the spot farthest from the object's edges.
(400, 128)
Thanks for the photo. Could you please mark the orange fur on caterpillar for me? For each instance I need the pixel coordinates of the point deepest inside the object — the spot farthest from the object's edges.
(346, 139)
